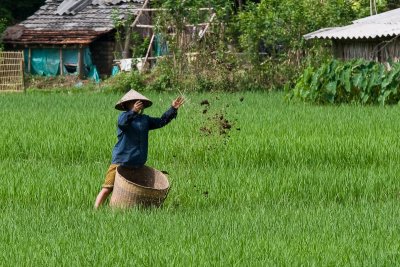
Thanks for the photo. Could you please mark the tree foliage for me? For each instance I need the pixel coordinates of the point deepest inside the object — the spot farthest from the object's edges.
(15, 11)
(3, 23)
(392, 4)
(273, 24)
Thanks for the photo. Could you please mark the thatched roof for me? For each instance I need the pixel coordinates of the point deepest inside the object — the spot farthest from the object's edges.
(70, 21)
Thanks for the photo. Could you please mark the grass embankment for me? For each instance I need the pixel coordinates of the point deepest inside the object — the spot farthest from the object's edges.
(297, 184)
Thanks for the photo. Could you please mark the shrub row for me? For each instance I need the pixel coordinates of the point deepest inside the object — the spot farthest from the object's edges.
(357, 81)
(201, 77)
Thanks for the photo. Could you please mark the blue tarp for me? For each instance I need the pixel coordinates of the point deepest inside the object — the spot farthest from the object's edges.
(160, 45)
(115, 70)
(46, 62)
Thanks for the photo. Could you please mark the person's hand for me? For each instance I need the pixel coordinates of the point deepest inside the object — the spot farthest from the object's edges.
(177, 103)
(137, 107)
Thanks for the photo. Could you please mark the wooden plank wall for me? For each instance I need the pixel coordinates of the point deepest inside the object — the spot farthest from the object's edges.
(355, 50)
(377, 50)
(390, 50)
(11, 71)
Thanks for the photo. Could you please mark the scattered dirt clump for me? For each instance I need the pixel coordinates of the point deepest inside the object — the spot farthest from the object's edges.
(205, 130)
(205, 102)
(223, 124)
(216, 123)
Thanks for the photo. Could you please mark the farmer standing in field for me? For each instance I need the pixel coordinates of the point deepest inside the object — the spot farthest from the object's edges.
(132, 132)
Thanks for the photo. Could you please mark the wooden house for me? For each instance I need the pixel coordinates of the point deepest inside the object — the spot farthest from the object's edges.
(372, 38)
(67, 36)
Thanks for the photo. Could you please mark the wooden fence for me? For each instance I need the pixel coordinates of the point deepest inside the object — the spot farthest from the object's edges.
(11, 71)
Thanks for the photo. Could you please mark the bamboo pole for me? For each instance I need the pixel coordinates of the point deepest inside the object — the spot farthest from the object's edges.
(201, 35)
(370, 7)
(166, 9)
(148, 50)
(22, 75)
(61, 63)
(29, 60)
(187, 25)
(80, 63)
(140, 13)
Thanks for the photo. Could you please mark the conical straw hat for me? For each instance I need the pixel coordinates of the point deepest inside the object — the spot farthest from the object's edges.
(133, 95)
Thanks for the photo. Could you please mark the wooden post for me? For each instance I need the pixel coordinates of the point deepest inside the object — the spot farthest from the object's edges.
(140, 14)
(29, 60)
(80, 63)
(148, 50)
(23, 72)
(201, 35)
(61, 63)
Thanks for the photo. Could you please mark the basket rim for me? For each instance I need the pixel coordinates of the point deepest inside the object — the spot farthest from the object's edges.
(146, 187)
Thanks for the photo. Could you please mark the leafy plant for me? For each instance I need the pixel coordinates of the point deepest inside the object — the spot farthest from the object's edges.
(357, 81)
(123, 82)
(126, 39)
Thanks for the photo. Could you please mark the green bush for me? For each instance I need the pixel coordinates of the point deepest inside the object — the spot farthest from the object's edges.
(123, 82)
(357, 81)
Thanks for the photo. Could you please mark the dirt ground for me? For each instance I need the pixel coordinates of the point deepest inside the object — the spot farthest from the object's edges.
(58, 82)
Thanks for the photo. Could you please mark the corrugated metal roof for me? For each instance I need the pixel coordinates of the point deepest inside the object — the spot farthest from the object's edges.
(108, 2)
(389, 17)
(71, 7)
(382, 25)
(357, 31)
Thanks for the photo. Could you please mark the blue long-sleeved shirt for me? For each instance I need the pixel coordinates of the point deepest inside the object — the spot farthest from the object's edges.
(133, 132)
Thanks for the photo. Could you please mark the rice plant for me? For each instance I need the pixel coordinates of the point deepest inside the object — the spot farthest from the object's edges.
(286, 184)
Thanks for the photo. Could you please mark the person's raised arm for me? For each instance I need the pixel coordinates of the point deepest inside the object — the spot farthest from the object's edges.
(171, 113)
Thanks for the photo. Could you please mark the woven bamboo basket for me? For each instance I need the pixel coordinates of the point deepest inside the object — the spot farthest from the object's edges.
(144, 186)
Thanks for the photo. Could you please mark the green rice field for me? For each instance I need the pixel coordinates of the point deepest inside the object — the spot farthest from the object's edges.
(293, 185)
